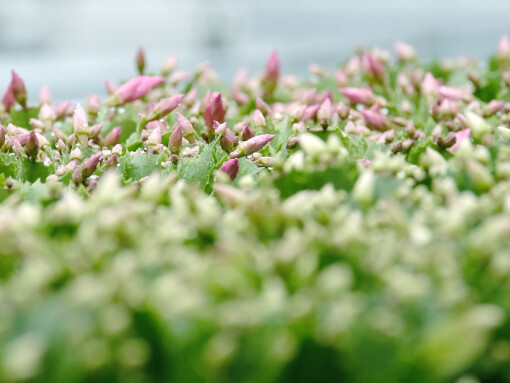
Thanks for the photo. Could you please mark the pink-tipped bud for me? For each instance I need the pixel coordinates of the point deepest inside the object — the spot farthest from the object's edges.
(219, 129)
(504, 47)
(429, 86)
(258, 118)
(175, 140)
(32, 145)
(155, 137)
(191, 97)
(110, 86)
(8, 100)
(310, 113)
(375, 118)
(341, 78)
(46, 113)
(95, 130)
(228, 140)
(81, 125)
(493, 107)
(215, 110)
(93, 104)
(362, 96)
(372, 66)
(247, 133)
(63, 109)
(343, 110)
(205, 101)
(240, 97)
(45, 96)
(231, 167)
(273, 68)
(140, 60)
(325, 111)
(262, 106)
(187, 128)
(450, 93)
(298, 112)
(112, 161)
(77, 176)
(169, 65)
(133, 90)
(164, 107)
(252, 145)
(90, 164)
(404, 51)
(18, 89)
(113, 137)
(459, 137)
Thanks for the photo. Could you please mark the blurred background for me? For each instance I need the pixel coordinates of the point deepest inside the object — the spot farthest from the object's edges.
(73, 45)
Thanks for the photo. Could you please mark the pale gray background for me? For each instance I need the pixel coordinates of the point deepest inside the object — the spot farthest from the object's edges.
(72, 45)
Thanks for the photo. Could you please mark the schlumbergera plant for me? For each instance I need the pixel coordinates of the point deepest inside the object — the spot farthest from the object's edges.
(354, 226)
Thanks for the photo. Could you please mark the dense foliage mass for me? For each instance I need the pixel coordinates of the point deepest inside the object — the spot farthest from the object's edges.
(351, 227)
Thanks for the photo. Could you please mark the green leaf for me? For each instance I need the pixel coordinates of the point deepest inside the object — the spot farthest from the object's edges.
(32, 171)
(22, 117)
(141, 165)
(8, 165)
(199, 169)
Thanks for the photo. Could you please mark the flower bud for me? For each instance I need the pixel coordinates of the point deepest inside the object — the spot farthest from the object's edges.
(310, 113)
(133, 89)
(8, 100)
(77, 176)
(93, 105)
(18, 89)
(359, 95)
(273, 68)
(228, 141)
(110, 86)
(45, 96)
(247, 133)
(175, 140)
(231, 167)
(262, 106)
(325, 112)
(63, 109)
(81, 125)
(112, 161)
(154, 137)
(504, 48)
(252, 145)
(215, 111)
(372, 67)
(75, 154)
(493, 107)
(113, 137)
(169, 65)
(90, 164)
(364, 188)
(140, 60)
(164, 107)
(375, 118)
(32, 146)
(46, 113)
(405, 52)
(479, 175)
(187, 128)
(478, 125)
(258, 118)
(2, 136)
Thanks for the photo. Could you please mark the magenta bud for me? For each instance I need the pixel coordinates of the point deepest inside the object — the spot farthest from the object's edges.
(372, 66)
(164, 107)
(325, 111)
(459, 137)
(359, 95)
(187, 128)
(258, 118)
(493, 107)
(32, 145)
(45, 96)
(90, 164)
(273, 67)
(140, 60)
(231, 167)
(113, 137)
(175, 140)
(63, 109)
(18, 89)
(112, 161)
(451, 93)
(240, 97)
(404, 51)
(77, 176)
(429, 86)
(247, 133)
(375, 118)
(219, 129)
(95, 130)
(133, 89)
(8, 100)
(343, 110)
(215, 110)
(154, 137)
(228, 140)
(262, 106)
(310, 113)
(252, 145)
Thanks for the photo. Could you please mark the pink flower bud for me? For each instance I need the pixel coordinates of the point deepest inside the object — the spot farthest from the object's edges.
(362, 96)
(81, 125)
(90, 164)
(372, 66)
(32, 145)
(341, 78)
(140, 60)
(187, 128)
(459, 137)
(134, 89)
(325, 111)
(113, 137)
(215, 110)
(77, 176)
(429, 86)
(343, 110)
(451, 93)
(95, 130)
(231, 167)
(504, 47)
(493, 107)
(46, 113)
(310, 113)
(404, 51)
(175, 140)
(228, 141)
(169, 65)
(8, 100)
(164, 107)
(112, 161)
(374, 118)
(18, 89)
(258, 118)
(45, 96)
(110, 86)
(191, 97)
(93, 104)
(155, 137)
(239, 97)
(63, 109)
(252, 145)
(205, 101)
(247, 133)
(273, 68)
(219, 129)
